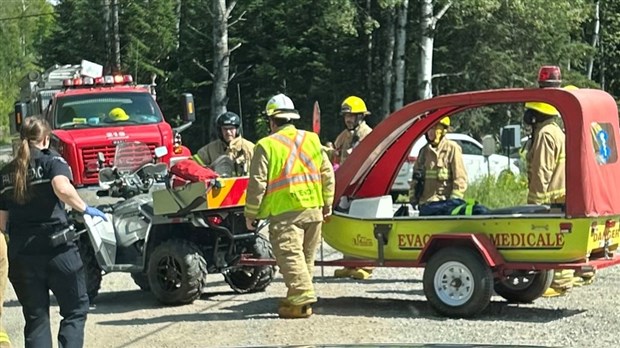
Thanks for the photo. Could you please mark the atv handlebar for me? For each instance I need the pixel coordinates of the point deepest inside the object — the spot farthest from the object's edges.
(115, 183)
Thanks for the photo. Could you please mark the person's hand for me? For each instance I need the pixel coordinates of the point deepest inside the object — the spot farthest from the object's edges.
(327, 212)
(250, 224)
(91, 211)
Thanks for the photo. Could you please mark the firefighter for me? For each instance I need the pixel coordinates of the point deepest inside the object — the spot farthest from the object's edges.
(439, 173)
(229, 143)
(545, 157)
(353, 110)
(291, 184)
(546, 171)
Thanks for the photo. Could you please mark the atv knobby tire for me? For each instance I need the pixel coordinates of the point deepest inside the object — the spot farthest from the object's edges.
(523, 286)
(141, 280)
(457, 282)
(177, 272)
(246, 279)
(92, 272)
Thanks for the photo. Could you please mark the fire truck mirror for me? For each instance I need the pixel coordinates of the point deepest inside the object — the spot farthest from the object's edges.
(20, 113)
(189, 112)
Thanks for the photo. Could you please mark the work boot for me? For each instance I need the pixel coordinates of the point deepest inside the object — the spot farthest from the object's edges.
(343, 272)
(361, 273)
(584, 278)
(294, 312)
(4, 340)
(551, 292)
(562, 282)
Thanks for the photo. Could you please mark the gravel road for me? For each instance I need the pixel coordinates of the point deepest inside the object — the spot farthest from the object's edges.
(389, 308)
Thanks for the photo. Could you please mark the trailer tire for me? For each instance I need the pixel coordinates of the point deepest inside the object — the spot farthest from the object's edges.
(177, 272)
(524, 287)
(253, 279)
(141, 280)
(92, 271)
(457, 282)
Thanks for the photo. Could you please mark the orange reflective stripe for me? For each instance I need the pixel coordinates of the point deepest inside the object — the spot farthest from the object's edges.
(295, 147)
(286, 178)
(293, 179)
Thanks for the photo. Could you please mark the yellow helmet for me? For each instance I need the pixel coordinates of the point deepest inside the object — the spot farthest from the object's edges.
(445, 121)
(543, 108)
(118, 114)
(354, 105)
(571, 87)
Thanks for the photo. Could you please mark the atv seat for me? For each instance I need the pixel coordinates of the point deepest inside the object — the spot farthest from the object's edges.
(521, 209)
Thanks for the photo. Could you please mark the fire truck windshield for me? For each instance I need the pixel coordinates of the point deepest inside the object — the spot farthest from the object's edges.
(105, 109)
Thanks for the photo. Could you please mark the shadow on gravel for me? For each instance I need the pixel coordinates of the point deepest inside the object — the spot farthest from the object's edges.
(261, 309)
(397, 308)
(412, 292)
(332, 280)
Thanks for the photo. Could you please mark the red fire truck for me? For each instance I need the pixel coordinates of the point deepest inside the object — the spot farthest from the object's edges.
(77, 101)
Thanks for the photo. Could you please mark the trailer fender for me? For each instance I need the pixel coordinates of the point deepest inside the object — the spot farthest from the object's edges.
(477, 241)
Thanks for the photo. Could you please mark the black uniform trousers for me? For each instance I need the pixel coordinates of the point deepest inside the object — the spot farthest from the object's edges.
(62, 272)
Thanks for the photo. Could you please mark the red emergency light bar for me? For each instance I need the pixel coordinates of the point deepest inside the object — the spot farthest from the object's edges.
(98, 81)
(549, 76)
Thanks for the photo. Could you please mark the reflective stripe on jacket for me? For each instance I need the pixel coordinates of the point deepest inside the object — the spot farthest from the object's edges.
(445, 176)
(546, 164)
(290, 172)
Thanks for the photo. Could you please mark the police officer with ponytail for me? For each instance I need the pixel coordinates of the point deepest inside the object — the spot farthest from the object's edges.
(34, 189)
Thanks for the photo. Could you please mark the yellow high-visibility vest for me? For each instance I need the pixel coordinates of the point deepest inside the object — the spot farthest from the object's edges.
(294, 179)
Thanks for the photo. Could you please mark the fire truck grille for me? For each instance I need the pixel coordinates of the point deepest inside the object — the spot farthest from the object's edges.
(89, 157)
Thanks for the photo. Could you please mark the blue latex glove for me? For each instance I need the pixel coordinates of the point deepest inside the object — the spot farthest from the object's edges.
(95, 212)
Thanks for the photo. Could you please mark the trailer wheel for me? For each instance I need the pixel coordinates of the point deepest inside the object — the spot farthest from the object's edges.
(523, 286)
(457, 282)
(177, 272)
(253, 279)
(92, 272)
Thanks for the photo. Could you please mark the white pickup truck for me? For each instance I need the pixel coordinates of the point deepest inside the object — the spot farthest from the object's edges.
(475, 163)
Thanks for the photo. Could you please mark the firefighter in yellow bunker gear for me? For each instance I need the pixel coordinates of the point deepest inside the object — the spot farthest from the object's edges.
(229, 143)
(546, 173)
(354, 111)
(292, 184)
(440, 167)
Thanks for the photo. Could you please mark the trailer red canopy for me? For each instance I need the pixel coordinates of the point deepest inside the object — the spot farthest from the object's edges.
(591, 124)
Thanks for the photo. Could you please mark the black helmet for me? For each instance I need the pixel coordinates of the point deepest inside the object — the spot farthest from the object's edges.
(227, 119)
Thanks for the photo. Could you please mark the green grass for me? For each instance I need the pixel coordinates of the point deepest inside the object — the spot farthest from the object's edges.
(504, 191)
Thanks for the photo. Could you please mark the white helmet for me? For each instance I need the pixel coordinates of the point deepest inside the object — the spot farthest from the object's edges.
(281, 106)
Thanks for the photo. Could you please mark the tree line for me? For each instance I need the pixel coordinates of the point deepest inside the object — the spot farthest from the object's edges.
(234, 55)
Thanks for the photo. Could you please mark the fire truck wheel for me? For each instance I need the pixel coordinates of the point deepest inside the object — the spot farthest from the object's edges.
(92, 271)
(141, 280)
(253, 279)
(523, 286)
(177, 272)
(457, 282)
